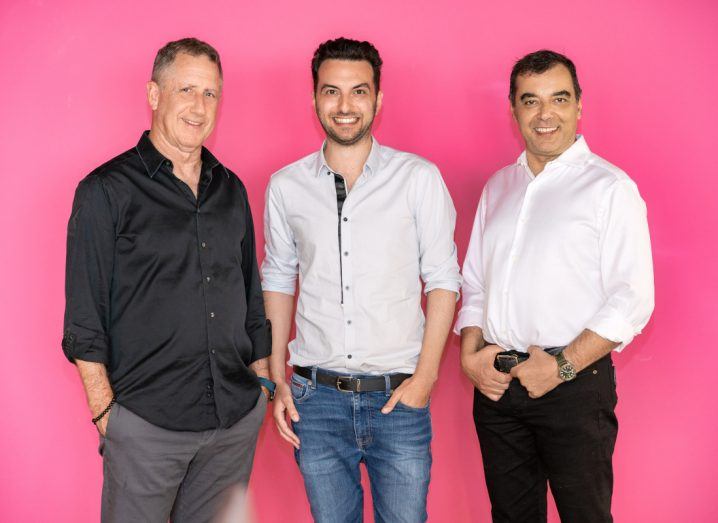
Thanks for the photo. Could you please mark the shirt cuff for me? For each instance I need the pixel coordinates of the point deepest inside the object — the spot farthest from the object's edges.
(613, 327)
(469, 317)
(283, 287)
(446, 285)
(261, 342)
(85, 344)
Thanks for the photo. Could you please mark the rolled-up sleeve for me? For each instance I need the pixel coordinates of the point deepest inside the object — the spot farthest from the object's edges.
(280, 266)
(88, 273)
(626, 266)
(472, 309)
(256, 324)
(436, 220)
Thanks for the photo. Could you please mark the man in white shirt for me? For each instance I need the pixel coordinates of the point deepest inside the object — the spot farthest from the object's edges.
(559, 272)
(361, 225)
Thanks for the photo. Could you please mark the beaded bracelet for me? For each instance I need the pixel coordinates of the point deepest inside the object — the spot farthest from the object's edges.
(102, 414)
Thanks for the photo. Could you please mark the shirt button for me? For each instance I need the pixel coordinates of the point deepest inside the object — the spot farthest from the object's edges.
(346, 288)
(346, 219)
(204, 245)
(209, 386)
(349, 322)
(212, 351)
(209, 394)
(349, 356)
(208, 279)
(346, 253)
(211, 314)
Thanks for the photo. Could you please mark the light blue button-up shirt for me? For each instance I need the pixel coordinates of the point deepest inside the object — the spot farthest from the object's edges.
(359, 305)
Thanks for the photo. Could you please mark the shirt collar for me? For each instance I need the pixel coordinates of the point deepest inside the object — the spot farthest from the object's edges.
(577, 155)
(372, 165)
(153, 159)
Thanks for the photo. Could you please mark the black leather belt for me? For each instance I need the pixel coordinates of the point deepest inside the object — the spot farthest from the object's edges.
(350, 384)
(507, 360)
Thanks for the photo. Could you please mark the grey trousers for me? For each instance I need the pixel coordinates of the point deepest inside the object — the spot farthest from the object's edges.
(153, 474)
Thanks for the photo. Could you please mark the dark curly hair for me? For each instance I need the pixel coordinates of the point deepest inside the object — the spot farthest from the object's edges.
(346, 49)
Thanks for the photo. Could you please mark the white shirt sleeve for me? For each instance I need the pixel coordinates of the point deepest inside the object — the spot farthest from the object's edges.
(280, 266)
(435, 223)
(626, 265)
(473, 290)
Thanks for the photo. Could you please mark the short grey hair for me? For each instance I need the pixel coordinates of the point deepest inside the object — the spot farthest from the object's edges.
(190, 46)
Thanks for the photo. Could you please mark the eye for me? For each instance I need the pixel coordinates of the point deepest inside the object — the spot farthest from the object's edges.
(186, 90)
(210, 94)
(529, 102)
(561, 100)
(360, 91)
(330, 92)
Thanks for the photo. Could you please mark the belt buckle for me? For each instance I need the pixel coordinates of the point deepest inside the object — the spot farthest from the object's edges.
(340, 380)
(507, 360)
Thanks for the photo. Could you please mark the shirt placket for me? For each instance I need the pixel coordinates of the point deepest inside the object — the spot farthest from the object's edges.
(352, 360)
(514, 253)
(204, 244)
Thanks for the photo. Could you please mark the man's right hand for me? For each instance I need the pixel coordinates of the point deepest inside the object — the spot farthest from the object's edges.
(283, 405)
(479, 368)
(102, 424)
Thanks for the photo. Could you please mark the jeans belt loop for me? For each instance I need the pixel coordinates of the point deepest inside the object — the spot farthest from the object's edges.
(387, 381)
(313, 384)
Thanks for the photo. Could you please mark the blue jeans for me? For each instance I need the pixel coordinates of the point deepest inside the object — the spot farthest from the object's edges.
(339, 430)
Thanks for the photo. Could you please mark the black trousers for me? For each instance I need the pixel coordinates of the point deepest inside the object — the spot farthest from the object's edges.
(565, 438)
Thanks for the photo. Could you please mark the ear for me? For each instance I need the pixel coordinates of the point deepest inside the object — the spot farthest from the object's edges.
(153, 94)
(513, 111)
(379, 100)
(314, 100)
(580, 107)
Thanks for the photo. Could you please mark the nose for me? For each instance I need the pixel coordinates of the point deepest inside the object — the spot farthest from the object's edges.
(344, 104)
(198, 105)
(545, 111)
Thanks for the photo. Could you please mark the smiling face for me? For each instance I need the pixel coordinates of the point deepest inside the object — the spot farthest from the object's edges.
(547, 112)
(346, 100)
(184, 103)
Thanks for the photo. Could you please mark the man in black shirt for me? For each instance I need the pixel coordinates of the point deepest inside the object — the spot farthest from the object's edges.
(164, 316)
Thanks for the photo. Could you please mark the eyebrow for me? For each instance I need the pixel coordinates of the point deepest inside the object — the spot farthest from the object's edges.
(557, 93)
(330, 86)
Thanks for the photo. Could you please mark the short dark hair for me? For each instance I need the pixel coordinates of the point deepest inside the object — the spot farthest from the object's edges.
(346, 49)
(540, 62)
(190, 46)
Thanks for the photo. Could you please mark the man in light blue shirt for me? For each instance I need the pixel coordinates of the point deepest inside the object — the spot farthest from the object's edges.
(362, 226)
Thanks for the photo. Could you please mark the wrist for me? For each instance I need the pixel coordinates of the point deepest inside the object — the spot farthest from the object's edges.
(104, 412)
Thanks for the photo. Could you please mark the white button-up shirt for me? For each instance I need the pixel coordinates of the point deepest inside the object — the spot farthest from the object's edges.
(359, 306)
(554, 254)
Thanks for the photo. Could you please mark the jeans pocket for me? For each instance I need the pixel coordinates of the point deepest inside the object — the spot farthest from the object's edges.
(404, 406)
(300, 387)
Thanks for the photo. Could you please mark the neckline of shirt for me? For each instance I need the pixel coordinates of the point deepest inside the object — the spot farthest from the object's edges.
(371, 166)
(577, 155)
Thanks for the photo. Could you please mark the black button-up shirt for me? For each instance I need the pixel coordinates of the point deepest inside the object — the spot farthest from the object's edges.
(163, 288)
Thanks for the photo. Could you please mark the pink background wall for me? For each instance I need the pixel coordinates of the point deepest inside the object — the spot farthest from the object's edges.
(73, 78)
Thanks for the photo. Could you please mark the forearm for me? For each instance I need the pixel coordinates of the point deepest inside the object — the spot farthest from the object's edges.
(261, 367)
(279, 308)
(97, 385)
(472, 340)
(440, 306)
(587, 348)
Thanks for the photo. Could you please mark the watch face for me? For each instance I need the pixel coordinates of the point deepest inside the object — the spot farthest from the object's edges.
(566, 372)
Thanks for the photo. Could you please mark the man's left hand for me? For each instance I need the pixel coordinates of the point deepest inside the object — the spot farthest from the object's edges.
(413, 392)
(538, 374)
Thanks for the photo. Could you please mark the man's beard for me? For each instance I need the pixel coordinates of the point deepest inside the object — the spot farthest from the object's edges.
(361, 133)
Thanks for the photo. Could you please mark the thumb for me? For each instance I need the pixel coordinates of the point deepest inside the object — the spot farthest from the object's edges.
(532, 349)
(389, 406)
